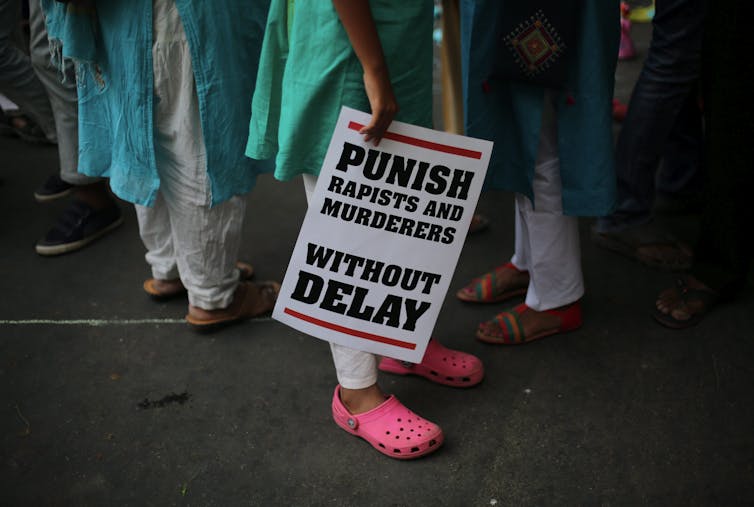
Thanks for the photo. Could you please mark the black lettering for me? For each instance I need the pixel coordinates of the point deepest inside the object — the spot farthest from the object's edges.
(372, 270)
(420, 174)
(334, 293)
(357, 310)
(414, 312)
(407, 227)
(330, 207)
(308, 288)
(389, 313)
(459, 185)
(318, 255)
(351, 155)
(353, 262)
(336, 183)
(429, 280)
(362, 218)
(434, 232)
(391, 276)
(400, 171)
(448, 235)
(437, 176)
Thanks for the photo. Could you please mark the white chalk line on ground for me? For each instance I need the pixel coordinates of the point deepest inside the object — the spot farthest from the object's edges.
(99, 322)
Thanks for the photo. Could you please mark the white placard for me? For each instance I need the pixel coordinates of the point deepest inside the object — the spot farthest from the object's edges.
(382, 236)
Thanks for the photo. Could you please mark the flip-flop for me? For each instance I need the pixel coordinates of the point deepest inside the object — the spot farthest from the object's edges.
(706, 297)
(249, 301)
(628, 242)
(511, 332)
(390, 428)
(441, 365)
(483, 289)
(245, 272)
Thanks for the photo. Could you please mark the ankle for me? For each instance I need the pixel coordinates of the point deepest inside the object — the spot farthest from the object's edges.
(358, 401)
(95, 195)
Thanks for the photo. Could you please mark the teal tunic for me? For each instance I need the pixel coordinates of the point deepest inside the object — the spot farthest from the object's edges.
(116, 98)
(509, 113)
(308, 71)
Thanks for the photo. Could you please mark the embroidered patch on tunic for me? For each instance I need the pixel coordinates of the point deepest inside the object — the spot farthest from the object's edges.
(535, 44)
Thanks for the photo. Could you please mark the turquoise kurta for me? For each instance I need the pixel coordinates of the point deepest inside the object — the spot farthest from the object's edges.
(510, 113)
(305, 77)
(116, 100)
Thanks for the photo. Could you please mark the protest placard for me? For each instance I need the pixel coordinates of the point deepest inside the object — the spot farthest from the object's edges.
(382, 236)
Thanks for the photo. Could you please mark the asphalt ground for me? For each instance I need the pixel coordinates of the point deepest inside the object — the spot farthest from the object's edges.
(107, 398)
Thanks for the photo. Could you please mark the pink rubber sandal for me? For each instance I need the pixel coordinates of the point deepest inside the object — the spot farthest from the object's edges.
(391, 428)
(440, 364)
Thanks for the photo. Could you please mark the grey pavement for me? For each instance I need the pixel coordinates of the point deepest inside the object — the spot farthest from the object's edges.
(620, 412)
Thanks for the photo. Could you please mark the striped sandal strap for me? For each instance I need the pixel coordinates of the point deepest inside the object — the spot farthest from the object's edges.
(485, 287)
(510, 324)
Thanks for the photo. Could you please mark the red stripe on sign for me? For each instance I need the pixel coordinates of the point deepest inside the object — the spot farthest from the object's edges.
(348, 330)
(453, 150)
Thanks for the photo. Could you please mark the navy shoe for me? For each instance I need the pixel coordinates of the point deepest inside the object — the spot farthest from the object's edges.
(79, 225)
(53, 188)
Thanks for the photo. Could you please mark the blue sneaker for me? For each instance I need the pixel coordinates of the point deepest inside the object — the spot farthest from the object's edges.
(79, 225)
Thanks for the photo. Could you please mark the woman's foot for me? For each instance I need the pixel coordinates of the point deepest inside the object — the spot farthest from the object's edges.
(685, 304)
(250, 300)
(164, 289)
(522, 324)
(503, 282)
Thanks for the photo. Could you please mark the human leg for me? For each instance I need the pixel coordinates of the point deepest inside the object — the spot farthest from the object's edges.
(669, 76)
(17, 78)
(205, 239)
(505, 281)
(94, 211)
(725, 248)
(547, 245)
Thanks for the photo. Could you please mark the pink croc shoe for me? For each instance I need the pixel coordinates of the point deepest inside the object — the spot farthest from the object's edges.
(391, 428)
(440, 364)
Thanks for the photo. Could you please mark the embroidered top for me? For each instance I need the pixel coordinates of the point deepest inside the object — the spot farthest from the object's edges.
(509, 113)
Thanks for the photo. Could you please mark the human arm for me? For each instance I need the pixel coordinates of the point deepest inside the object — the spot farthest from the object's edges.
(357, 20)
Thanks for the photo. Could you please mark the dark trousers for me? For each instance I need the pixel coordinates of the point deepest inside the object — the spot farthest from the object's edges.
(663, 119)
(726, 244)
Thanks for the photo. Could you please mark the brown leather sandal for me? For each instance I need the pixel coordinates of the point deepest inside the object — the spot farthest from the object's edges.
(249, 301)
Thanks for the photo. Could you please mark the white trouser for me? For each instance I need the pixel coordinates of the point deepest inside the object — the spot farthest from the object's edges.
(355, 369)
(547, 242)
(183, 235)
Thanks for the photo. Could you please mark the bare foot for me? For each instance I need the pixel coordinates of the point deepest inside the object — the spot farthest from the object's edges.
(358, 401)
(681, 304)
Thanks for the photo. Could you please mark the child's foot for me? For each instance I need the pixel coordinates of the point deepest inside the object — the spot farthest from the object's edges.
(358, 401)
(440, 364)
(390, 428)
